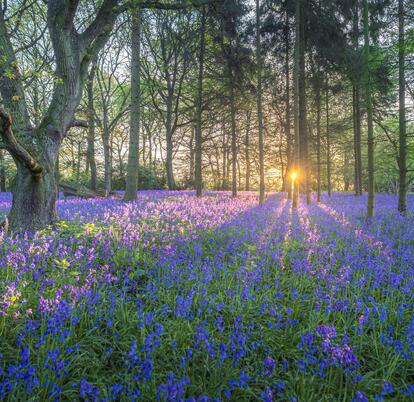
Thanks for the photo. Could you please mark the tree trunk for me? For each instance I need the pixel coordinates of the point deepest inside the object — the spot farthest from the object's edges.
(355, 124)
(107, 162)
(91, 162)
(368, 101)
(346, 171)
(357, 108)
(402, 193)
(34, 195)
(259, 106)
(328, 138)
(295, 186)
(303, 126)
(169, 164)
(78, 163)
(247, 151)
(169, 142)
(192, 158)
(2, 173)
(132, 168)
(318, 133)
(288, 188)
(198, 132)
(224, 171)
(358, 136)
(149, 148)
(282, 169)
(233, 136)
(238, 174)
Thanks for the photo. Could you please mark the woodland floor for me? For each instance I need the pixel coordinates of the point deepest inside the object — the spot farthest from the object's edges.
(175, 298)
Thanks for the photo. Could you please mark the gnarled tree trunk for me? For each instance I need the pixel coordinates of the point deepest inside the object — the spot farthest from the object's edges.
(34, 197)
(35, 150)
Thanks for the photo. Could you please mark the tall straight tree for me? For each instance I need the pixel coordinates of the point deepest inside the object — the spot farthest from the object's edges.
(328, 137)
(2, 172)
(133, 160)
(247, 150)
(368, 103)
(199, 108)
(90, 153)
(295, 189)
(233, 131)
(318, 99)
(357, 104)
(303, 126)
(287, 103)
(402, 192)
(259, 105)
(231, 13)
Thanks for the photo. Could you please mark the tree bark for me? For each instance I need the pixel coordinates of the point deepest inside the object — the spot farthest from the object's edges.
(233, 135)
(199, 110)
(357, 140)
(318, 133)
(169, 163)
(357, 108)
(107, 156)
(303, 126)
(328, 137)
(287, 185)
(247, 151)
(346, 171)
(91, 162)
(34, 207)
(402, 192)
(2, 173)
(192, 158)
(225, 158)
(135, 110)
(259, 106)
(295, 186)
(169, 139)
(368, 101)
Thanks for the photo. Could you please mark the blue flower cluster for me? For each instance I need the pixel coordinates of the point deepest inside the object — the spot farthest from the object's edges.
(174, 298)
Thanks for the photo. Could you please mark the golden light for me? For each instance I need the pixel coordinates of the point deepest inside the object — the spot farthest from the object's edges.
(293, 175)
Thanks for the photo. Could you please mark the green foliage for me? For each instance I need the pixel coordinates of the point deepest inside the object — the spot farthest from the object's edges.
(151, 178)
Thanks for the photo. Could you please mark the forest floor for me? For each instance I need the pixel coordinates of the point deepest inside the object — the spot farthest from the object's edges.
(177, 298)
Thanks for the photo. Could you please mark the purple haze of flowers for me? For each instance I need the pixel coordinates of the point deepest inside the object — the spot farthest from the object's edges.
(200, 299)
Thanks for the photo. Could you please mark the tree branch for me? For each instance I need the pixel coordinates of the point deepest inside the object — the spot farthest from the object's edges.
(11, 89)
(102, 23)
(15, 149)
(78, 123)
